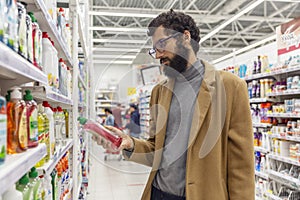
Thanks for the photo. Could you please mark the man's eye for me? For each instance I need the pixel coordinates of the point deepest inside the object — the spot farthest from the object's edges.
(160, 45)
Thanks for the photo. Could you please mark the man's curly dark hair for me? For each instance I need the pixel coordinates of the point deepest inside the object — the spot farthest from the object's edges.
(179, 22)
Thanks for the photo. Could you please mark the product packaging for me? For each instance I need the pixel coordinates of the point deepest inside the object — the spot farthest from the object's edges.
(3, 129)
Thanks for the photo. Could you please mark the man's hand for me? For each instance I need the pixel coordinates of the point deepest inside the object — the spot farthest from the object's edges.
(127, 142)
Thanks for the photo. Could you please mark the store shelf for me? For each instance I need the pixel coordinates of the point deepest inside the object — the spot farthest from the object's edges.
(272, 196)
(17, 165)
(284, 159)
(47, 94)
(16, 70)
(270, 74)
(284, 115)
(82, 37)
(261, 125)
(82, 82)
(261, 174)
(46, 24)
(261, 149)
(290, 138)
(285, 179)
(284, 93)
(261, 100)
(49, 166)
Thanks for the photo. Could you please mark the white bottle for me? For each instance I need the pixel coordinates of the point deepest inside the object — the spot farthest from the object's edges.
(55, 75)
(47, 57)
(50, 117)
(262, 163)
(12, 194)
(69, 83)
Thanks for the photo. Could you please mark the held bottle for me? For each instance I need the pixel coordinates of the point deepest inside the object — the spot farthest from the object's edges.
(100, 130)
(32, 123)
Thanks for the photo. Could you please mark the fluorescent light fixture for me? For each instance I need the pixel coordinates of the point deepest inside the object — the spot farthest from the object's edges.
(126, 41)
(115, 56)
(117, 50)
(122, 14)
(216, 30)
(273, 37)
(124, 62)
(118, 29)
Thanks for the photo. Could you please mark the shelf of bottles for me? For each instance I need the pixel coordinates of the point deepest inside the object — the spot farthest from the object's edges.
(275, 107)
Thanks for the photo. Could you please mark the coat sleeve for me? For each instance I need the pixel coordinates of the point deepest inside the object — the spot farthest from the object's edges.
(143, 152)
(241, 183)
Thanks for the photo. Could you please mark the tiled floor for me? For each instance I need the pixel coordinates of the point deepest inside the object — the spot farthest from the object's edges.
(114, 179)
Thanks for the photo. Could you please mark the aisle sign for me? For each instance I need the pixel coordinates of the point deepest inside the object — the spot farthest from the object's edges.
(288, 40)
(131, 91)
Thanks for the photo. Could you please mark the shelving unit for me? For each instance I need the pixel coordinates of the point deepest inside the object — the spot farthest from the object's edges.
(17, 165)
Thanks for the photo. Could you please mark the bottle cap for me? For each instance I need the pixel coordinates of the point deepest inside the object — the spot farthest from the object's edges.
(61, 60)
(24, 180)
(33, 173)
(61, 10)
(8, 95)
(33, 19)
(16, 94)
(82, 120)
(45, 35)
(28, 96)
(59, 109)
(46, 104)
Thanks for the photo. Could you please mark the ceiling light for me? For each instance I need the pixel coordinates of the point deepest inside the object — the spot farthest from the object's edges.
(273, 37)
(119, 29)
(112, 62)
(116, 50)
(120, 41)
(123, 14)
(115, 56)
(246, 10)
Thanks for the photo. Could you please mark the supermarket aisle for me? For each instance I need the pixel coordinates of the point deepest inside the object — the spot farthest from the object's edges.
(114, 179)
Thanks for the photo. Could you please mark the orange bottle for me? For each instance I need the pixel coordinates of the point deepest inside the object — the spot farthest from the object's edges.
(17, 123)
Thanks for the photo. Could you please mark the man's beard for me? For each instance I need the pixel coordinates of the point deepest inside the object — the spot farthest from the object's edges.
(178, 64)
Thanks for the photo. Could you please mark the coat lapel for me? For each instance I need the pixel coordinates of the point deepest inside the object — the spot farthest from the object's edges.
(162, 119)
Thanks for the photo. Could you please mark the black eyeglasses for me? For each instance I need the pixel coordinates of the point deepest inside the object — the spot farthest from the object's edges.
(160, 45)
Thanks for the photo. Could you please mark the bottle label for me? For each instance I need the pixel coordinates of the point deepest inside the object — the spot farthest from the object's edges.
(33, 126)
(22, 131)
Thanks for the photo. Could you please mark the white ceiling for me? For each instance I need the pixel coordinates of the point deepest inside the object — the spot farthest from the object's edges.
(119, 27)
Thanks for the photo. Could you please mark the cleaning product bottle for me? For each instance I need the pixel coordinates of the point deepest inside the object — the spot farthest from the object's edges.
(69, 83)
(32, 120)
(41, 131)
(29, 39)
(12, 140)
(47, 57)
(11, 25)
(50, 117)
(12, 193)
(61, 21)
(40, 49)
(35, 183)
(22, 31)
(54, 68)
(3, 129)
(35, 39)
(24, 187)
(58, 138)
(3, 9)
(66, 113)
(99, 130)
(62, 122)
(20, 119)
(54, 184)
(47, 137)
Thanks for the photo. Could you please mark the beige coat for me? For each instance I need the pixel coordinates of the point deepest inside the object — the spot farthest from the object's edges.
(220, 156)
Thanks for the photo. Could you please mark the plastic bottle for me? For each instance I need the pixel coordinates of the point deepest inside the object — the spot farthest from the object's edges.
(47, 135)
(47, 57)
(20, 119)
(11, 25)
(258, 69)
(40, 49)
(32, 119)
(66, 113)
(99, 130)
(35, 184)
(12, 194)
(68, 37)
(29, 39)
(50, 117)
(35, 39)
(62, 122)
(55, 75)
(3, 129)
(262, 88)
(54, 182)
(22, 30)
(3, 9)
(69, 83)
(24, 187)
(41, 130)
(61, 22)
(262, 163)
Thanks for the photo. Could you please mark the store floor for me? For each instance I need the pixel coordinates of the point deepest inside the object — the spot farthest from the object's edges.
(114, 179)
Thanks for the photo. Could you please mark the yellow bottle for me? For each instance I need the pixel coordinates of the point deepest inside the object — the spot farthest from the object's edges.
(47, 137)
(41, 131)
